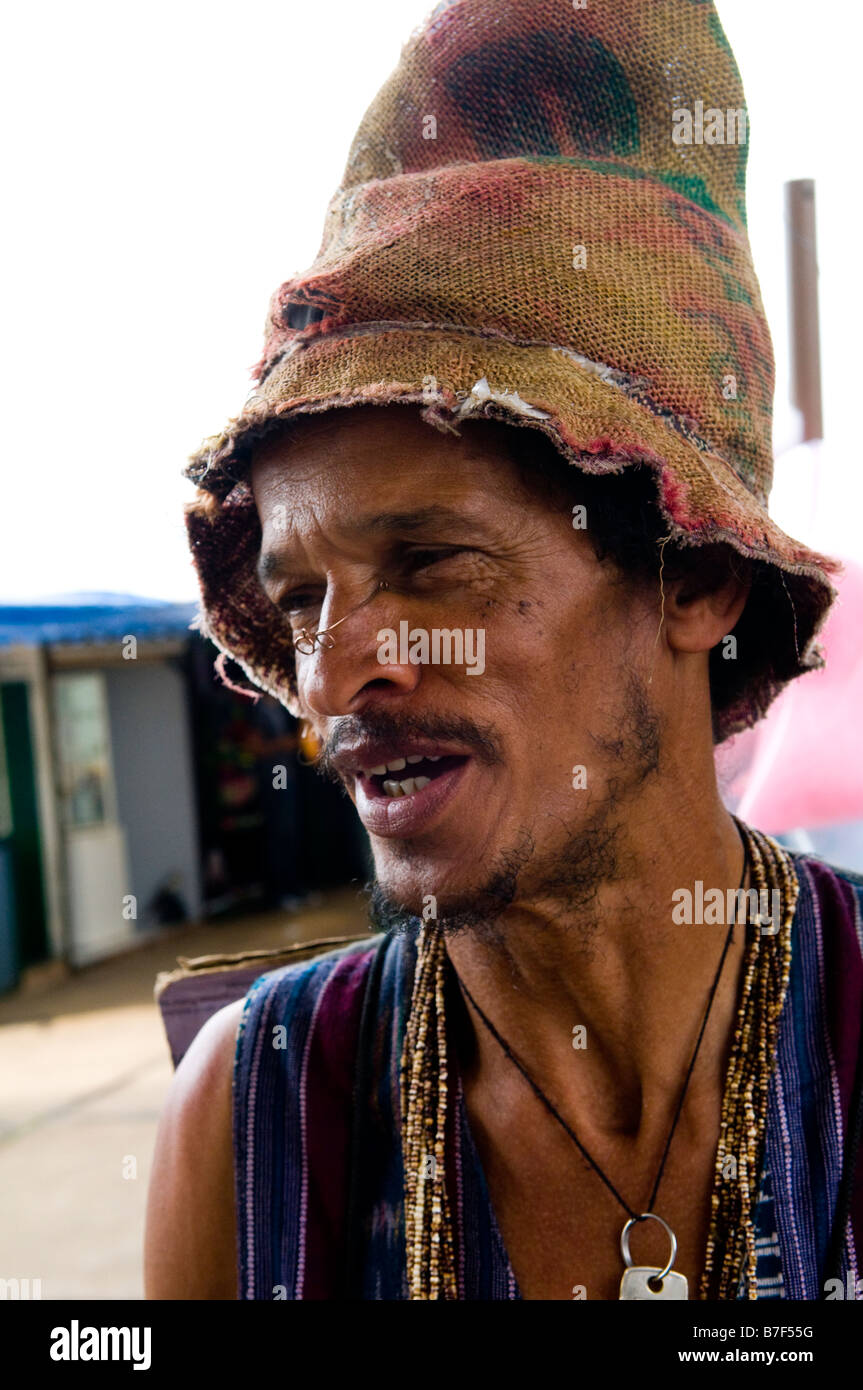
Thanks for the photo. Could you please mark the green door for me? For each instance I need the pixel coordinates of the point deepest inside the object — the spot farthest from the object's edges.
(23, 848)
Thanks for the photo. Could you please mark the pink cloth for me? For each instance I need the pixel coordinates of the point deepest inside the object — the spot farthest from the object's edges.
(802, 765)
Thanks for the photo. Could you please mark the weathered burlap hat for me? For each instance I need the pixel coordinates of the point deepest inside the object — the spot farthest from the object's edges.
(541, 220)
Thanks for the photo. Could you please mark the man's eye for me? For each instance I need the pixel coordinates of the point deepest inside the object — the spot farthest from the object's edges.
(298, 603)
(422, 559)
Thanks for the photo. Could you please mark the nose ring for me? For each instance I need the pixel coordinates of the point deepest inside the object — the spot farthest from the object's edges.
(306, 642)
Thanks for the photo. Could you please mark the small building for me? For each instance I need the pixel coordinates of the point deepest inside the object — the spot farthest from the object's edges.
(138, 790)
(98, 800)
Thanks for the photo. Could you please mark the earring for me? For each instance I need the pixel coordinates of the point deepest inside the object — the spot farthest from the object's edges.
(309, 749)
(306, 642)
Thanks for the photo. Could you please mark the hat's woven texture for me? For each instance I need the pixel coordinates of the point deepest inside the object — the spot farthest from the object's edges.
(519, 235)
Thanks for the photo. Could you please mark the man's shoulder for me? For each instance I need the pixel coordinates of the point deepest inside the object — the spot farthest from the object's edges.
(853, 879)
(825, 871)
(833, 896)
(314, 1004)
(203, 986)
(305, 1029)
(315, 964)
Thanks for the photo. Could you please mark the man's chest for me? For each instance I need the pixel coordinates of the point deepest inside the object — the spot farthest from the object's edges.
(561, 1225)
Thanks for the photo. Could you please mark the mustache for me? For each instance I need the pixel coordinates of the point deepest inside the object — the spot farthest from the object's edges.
(479, 739)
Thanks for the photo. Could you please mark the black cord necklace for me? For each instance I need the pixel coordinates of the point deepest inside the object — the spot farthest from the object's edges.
(639, 1282)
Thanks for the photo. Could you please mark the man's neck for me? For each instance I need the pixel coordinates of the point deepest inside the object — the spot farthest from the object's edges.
(606, 1014)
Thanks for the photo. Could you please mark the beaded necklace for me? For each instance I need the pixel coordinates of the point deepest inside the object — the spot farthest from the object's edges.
(730, 1255)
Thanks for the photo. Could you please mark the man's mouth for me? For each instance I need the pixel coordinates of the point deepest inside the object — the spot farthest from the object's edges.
(407, 790)
(407, 775)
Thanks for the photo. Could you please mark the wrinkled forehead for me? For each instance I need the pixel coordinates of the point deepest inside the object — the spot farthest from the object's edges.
(359, 462)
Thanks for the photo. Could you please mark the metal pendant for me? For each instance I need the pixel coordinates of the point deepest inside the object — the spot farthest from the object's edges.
(637, 1279)
(635, 1285)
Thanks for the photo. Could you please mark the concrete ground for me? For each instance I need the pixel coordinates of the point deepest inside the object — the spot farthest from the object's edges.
(84, 1068)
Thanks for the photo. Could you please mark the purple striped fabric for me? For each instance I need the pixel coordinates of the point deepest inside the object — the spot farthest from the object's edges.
(811, 1090)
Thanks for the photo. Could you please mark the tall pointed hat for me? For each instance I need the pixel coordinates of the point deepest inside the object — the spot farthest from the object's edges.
(542, 220)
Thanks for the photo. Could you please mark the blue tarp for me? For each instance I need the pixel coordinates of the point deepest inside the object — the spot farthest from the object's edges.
(99, 622)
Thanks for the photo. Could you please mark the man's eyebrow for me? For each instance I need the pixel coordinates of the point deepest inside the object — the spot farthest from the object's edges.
(272, 564)
(418, 519)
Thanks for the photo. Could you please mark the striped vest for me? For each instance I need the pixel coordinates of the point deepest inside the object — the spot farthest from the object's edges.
(318, 1165)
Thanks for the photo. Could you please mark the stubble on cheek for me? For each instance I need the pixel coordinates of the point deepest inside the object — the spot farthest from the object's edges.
(616, 734)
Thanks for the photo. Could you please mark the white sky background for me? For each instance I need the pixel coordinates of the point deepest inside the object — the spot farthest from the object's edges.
(168, 165)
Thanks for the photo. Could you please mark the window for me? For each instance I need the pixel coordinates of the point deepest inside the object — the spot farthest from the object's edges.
(83, 749)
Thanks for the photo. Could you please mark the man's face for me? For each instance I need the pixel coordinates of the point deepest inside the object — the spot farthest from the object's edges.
(524, 757)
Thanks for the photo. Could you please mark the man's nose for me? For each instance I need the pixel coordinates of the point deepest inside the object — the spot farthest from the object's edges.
(343, 672)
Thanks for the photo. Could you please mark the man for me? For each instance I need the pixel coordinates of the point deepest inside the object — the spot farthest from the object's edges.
(517, 636)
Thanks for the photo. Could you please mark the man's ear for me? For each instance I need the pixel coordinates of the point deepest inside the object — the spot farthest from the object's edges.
(704, 605)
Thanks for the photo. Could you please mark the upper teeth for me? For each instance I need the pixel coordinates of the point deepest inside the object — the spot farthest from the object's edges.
(398, 764)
